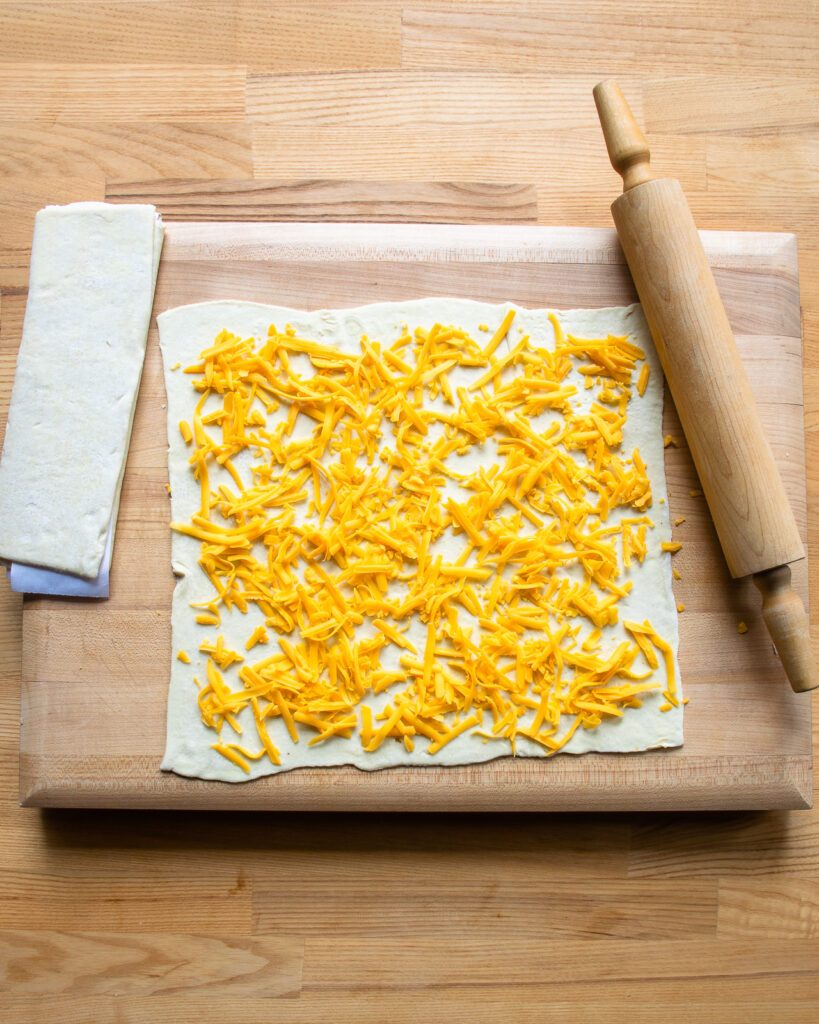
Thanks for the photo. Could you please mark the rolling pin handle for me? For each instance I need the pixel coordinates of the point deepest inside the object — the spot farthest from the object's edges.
(788, 624)
(627, 146)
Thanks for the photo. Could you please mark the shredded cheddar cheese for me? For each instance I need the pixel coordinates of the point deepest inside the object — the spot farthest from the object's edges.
(642, 380)
(369, 449)
(258, 636)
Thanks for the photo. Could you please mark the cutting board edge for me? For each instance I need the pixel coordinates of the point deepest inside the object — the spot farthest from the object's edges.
(358, 239)
(768, 784)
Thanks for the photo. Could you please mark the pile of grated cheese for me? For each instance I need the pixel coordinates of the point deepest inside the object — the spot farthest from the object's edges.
(339, 497)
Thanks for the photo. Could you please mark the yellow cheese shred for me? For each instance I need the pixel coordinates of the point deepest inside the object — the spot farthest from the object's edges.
(642, 380)
(232, 755)
(499, 334)
(258, 636)
(326, 483)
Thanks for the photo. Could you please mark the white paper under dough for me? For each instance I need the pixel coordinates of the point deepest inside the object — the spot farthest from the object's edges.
(185, 331)
(91, 283)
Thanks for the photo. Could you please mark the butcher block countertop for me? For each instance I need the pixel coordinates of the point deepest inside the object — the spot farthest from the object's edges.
(382, 110)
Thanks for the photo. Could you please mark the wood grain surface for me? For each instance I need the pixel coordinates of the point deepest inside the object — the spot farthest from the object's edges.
(747, 737)
(145, 916)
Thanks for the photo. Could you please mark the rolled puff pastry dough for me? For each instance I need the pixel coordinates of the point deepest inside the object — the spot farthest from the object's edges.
(185, 331)
(93, 268)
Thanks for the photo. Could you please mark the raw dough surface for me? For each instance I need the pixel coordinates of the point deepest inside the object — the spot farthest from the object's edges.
(185, 331)
(93, 267)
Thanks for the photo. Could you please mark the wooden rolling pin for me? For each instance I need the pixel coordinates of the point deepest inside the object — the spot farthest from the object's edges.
(690, 328)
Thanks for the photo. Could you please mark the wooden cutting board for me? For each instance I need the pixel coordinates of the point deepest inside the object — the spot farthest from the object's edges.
(95, 675)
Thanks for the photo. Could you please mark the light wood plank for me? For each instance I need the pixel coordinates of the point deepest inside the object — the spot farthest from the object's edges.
(372, 902)
(282, 35)
(697, 35)
(786, 1000)
(750, 1001)
(769, 909)
(730, 845)
(64, 93)
(328, 201)
(718, 104)
(768, 165)
(140, 151)
(313, 35)
(122, 32)
(432, 152)
(122, 964)
(123, 898)
(483, 962)
(539, 100)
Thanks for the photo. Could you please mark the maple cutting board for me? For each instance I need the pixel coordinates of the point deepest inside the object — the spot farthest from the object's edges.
(95, 674)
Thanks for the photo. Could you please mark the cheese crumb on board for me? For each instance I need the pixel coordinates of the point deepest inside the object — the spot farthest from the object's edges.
(742, 627)
(512, 570)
